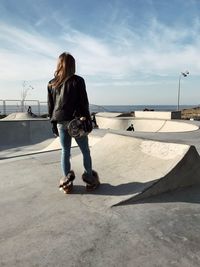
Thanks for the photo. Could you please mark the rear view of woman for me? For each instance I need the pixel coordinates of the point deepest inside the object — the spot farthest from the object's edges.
(67, 96)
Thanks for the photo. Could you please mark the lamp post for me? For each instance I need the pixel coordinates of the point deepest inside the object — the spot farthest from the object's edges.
(183, 74)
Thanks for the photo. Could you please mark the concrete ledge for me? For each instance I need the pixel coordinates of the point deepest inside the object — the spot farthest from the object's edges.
(24, 132)
(165, 115)
(108, 114)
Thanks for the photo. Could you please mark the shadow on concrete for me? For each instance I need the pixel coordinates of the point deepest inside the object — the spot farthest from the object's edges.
(107, 189)
(190, 194)
(111, 190)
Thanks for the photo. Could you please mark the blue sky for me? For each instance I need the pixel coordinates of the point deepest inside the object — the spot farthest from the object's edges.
(129, 51)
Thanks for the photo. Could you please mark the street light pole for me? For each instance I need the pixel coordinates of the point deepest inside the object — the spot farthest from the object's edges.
(184, 74)
(179, 88)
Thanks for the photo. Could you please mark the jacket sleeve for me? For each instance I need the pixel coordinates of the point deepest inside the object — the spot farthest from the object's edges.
(50, 102)
(83, 100)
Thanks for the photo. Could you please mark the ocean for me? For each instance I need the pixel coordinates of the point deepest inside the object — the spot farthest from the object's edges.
(42, 108)
(129, 108)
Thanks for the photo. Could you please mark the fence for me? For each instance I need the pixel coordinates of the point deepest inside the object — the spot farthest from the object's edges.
(12, 106)
(37, 107)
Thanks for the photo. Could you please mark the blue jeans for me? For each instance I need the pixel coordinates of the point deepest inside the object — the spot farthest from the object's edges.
(65, 140)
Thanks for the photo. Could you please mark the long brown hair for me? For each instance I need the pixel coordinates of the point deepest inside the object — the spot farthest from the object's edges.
(65, 68)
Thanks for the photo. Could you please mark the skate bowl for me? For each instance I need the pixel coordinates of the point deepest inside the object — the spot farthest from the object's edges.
(21, 129)
(131, 169)
(20, 137)
(144, 125)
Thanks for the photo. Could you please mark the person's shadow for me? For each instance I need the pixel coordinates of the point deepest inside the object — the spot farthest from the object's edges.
(111, 190)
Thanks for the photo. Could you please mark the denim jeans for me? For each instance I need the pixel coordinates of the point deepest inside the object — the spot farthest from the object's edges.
(65, 140)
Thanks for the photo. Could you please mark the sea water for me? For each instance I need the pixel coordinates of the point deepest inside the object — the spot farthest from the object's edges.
(129, 108)
(42, 109)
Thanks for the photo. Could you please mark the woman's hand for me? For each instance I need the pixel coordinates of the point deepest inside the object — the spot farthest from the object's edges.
(55, 129)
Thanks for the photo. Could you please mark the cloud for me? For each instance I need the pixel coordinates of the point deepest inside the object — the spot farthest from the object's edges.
(26, 41)
(124, 54)
(160, 50)
(25, 55)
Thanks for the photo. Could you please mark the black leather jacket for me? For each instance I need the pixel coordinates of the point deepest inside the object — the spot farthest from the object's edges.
(74, 100)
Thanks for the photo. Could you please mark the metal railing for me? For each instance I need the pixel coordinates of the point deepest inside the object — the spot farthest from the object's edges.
(15, 105)
(37, 107)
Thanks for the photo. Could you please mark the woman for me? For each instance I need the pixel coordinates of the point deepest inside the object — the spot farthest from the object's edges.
(66, 96)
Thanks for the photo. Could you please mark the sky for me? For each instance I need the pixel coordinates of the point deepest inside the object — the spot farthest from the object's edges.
(129, 52)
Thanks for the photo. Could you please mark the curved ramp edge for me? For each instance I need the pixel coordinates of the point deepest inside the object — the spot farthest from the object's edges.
(144, 125)
(185, 173)
(133, 168)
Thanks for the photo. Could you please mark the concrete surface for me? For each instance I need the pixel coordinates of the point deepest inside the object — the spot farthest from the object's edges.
(24, 135)
(54, 145)
(133, 168)
(164, 115)
(108, 114)
(40, 226)
(21, 133)
(14, 133)
(20, 150)
(16, 150)
(20, 116)
(145, 125)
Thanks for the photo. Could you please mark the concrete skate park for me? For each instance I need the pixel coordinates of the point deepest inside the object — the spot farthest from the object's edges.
(145, 213)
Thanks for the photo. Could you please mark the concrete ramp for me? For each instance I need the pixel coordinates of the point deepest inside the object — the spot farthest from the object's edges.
(47, 145)
(133, 168)
(55, 144)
